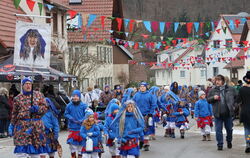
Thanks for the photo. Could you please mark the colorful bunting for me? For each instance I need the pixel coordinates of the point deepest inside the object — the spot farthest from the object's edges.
(119, 23)
(16, 3)
(147, 25)
(92, 18)
(49, 6)
(168, 25)
(72, 13)
(196, 26)
(176, 25)
(189, 27)
(40, 6)
(126, 22)
(155, 25)
(131, 25)
(30, 4)
(102, 21)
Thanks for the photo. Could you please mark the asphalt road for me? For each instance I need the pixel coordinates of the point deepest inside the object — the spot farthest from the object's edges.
(190, 147)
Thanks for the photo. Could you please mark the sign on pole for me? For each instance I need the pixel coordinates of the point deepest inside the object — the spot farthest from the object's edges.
(32, 45)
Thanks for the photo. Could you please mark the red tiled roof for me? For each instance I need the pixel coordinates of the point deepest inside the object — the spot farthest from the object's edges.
(238, 62)
(8, 22)
(189, 49)
(98, 7)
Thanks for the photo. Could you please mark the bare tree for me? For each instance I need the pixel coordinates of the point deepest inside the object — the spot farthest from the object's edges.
(123, 78)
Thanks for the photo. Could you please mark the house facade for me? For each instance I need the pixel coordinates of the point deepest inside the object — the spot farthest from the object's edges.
(220, 49)
(172, 66)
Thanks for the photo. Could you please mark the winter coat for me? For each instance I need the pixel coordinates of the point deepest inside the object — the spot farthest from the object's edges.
(75, 115)
(110, 131)
(146, 102)
(106, 97)
(4, 107)
(132, 128)
(230, 98)
(181, 117)
(95, 130)
(244, 99)
(203, 108)
(89, 98)
(51, 123)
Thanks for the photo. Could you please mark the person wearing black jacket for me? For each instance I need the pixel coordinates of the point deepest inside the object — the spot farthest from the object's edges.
(4, 112)
(244, 100)
(223, 98)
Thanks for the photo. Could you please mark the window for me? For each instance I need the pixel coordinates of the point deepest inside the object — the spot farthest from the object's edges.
(216, 44)
(75, 1)
(229, 43)
(215, 71)
(170, 58)
(48, 20)
(203, 73)
(104, 54)
(55, 30)
(157, 73)
(182, 73)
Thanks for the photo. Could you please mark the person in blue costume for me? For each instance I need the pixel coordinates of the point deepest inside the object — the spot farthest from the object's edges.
(112, 132)
(75, 112)
(100, 138)
(181, 117)
(128, 95)
(90, 130)
(147, 103)
(116, 101)
(52, 128)
(175, 88)
(26, 125)
(171, 105)
(193, 98)
(155, 91)
(130, 126)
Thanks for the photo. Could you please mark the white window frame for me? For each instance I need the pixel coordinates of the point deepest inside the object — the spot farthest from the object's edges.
(181, 75)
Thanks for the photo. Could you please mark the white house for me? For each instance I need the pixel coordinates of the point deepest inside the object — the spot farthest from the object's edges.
(175, 65)
(221, 50)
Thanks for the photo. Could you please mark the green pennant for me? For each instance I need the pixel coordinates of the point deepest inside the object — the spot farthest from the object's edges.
(111, 18)
(170, 38)
(154, 37)
(16, 3)
(224, 29)
(40, 6)
(208, 24)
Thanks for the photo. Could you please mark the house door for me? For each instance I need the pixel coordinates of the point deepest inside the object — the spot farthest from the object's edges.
(234, 75)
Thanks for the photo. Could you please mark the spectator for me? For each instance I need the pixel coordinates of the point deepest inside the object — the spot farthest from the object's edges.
(4, 112)
(14, 90)
(222, 97)
(97, 91)
(106, 96)
(118, 93)
(244, 98)
(90, 97)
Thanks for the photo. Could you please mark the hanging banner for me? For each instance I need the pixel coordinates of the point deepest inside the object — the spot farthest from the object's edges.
(32, 45)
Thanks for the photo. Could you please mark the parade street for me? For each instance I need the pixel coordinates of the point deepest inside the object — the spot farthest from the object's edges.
(162, 147)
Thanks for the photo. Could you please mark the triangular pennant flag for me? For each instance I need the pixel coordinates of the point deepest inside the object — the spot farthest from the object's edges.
(208, 24)
(162, 27)
(40, 6)
(147, 24)
(189, 27)
(72, 13)
(126, 33)
(30, 4)
(119, 23)
(176, 25)
(126, 21)
(49, 6)
(243, 20)
(231, 24)
(170, 38)
(201, 26)
(16, 3)
(161, 37)
(155, 25)
(237, 22)
(224, 29)
(102, 21)
(212, 25)
(218, 31)
(79, 21)
(207, 34)
(92, 18)
(168, 25)
(196, 26)
(131, 25)
(111, 31)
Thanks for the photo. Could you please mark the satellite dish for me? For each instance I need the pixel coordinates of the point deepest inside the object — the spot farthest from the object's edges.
(243, 14)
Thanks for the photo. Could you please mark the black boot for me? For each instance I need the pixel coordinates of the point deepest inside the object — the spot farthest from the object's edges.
(204, 138)
(146, 147)
(247, 148)
(220, 147)
(141, 144)
(229, 145)
(172, 133)
(208, 137)
(182, 133)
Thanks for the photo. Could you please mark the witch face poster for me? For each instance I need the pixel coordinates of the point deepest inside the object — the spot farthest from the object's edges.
(32, 45)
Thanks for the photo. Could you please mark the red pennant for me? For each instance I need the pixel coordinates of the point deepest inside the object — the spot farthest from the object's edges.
(174, 42)
(145, 36)
(207, 48)
(218, 31)
(237, 22)
(155, 25)
(72, 13)
(168, 25)
(131, 25)
(102, 21)
(201, 26)
(136, 46)
(30, 4)
(167, 47)
(189, 27)
(119, 21)
(245, 49)
(245, 42)
(184, 40)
